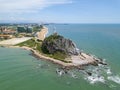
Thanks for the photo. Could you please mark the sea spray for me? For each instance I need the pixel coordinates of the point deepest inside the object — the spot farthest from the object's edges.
(114, 78)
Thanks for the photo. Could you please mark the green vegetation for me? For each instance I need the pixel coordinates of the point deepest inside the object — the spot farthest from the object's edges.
(53, 48)
(13, 27)
(41, 26)
(32, 43)
(59, 55)
(53, 37)
(37, 28)
(36, 45)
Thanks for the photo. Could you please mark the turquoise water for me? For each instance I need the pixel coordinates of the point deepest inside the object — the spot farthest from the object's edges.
(21, 71)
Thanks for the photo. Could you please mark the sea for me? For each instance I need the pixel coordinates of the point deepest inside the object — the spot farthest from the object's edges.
(20, 70)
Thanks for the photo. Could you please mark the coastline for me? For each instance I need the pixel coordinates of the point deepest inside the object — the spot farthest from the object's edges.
(42, 34)
(78, 61)
(61, 63)
(43, 56)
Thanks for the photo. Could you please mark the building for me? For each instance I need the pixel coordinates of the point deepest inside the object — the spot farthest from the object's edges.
(5, 36)
(23, 29)
(29, 29)
(7, 31)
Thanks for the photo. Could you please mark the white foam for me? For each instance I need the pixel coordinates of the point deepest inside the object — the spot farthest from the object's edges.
(73, 75)
(112, 86)
(115, 79)
(95, 78)
(104, 60)
(109, 71)
(39, 64)
(60, 72)
(100, 65)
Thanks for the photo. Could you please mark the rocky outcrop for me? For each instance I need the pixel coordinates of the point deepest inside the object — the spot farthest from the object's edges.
(56, 43)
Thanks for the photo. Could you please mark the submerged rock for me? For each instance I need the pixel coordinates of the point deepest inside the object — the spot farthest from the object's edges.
(89, 73)
(60, 72)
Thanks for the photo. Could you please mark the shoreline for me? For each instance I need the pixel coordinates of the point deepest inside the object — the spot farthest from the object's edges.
(40, 56)
(78, 61)
(42, 34)
(83, 63)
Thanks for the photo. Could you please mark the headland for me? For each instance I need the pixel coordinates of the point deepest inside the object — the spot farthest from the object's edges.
(54, 48)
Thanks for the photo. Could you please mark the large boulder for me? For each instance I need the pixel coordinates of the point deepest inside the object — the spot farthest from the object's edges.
(56, 43)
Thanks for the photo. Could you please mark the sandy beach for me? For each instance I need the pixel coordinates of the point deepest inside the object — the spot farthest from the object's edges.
(14, 41)
(41, 35)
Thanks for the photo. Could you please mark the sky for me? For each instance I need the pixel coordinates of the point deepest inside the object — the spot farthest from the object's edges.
(60, 11)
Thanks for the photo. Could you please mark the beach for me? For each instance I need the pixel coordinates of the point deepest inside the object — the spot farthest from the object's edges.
(14, 41)
(42, 34)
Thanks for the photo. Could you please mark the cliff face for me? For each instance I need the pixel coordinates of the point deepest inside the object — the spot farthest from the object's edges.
(56, 43)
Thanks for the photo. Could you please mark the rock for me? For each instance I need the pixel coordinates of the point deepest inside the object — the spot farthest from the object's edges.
(95, 63)
(56, 43)
(100, 61)
(60, 72)
(89, 73)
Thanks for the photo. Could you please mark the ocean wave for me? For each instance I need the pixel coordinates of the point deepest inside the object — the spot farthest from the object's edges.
(112, 86)
(73, 75)
(60, 72)
(108, 71)
(98, 74)
(95, 78)
(115, 79)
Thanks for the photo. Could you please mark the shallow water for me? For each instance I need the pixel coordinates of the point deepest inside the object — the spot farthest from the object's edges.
(21, 71)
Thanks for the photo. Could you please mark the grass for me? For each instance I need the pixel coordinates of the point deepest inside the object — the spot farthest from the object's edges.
(59, 55)
(29, 43)
(51, 38)
(32, 43)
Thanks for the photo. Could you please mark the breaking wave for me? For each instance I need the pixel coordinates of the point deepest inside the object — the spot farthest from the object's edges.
(115, 79)
(95, 78)
(92, 74)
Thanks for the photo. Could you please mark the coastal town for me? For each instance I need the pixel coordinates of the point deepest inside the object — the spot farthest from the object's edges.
(14, 34)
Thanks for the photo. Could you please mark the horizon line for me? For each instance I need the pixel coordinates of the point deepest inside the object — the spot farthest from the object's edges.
(50, 23)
